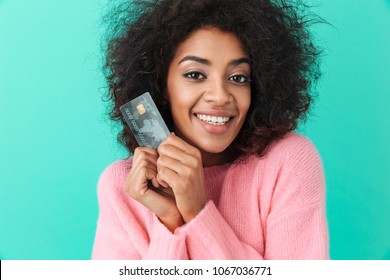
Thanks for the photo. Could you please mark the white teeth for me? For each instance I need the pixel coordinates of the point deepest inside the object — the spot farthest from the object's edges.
(213, 119)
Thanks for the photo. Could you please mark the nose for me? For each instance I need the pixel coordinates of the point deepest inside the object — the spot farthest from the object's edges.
(218, 93)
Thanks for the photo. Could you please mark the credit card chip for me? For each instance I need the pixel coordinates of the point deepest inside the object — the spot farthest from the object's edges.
(141, 109)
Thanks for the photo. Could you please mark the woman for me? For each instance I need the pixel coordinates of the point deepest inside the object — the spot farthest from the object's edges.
(232, 181)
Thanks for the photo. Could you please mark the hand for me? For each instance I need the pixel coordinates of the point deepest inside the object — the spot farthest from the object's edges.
(179, 166)
(144, 168)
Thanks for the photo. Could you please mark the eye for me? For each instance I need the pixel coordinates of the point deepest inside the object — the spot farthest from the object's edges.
(194, 75)
(239, 79)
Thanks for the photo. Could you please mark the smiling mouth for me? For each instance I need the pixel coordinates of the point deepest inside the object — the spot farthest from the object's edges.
(214, 120)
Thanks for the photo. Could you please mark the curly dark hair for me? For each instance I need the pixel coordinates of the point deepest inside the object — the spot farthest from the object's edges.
(144, 36)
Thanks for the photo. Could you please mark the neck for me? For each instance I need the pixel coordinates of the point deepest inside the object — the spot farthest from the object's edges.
(210, 159)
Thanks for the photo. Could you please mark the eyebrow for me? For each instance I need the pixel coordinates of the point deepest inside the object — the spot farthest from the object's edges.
(205, 61)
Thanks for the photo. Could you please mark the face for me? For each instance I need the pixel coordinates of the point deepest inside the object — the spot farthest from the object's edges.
(208, 89)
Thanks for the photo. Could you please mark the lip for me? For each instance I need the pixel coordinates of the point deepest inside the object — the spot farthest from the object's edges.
(216, 113)
(214, 129)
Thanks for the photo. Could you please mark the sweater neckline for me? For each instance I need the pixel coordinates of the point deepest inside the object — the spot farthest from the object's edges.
(216, 172)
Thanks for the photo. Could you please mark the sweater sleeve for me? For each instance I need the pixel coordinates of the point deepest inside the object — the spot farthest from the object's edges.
(126, 229)
(209, 236)
(295, 227)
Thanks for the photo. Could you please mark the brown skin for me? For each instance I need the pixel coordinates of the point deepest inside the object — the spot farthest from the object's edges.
(209, 75)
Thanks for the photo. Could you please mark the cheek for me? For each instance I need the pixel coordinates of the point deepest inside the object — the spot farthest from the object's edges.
(244, 101)
(173, 85)
(179, 103)
(181, 97)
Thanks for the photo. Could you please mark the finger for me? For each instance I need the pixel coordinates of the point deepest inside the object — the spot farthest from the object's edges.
(156, 202)
(144, 153)
(178, 161)
(145, 158)
(152, 176)
(161, 182)
(150, 173)
(168, 176)
(167, 192)
(170, 161)
(173, 151)
(155, 182)
(137, 179)
(180, 144)
(144, 149)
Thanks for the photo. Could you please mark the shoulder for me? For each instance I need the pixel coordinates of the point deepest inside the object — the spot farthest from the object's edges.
(292, 143)
(299, 169)
(292, 156)
(113, 177)
(116, 170)
(288, 150)
(292, 150)
(290, 161)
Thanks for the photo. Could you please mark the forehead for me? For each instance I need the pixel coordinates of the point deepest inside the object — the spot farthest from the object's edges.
(211, 40)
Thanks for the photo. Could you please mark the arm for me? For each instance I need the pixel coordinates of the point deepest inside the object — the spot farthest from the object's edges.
(295, 223)
(126, 229)
(210, 237)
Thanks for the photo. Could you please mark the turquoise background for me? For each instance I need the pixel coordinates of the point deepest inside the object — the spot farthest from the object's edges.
(55, 138)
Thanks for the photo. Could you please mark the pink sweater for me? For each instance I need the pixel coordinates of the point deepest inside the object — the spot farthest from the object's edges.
(264, 208)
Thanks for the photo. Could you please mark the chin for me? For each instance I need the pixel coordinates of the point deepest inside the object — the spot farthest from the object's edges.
(213, 149)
